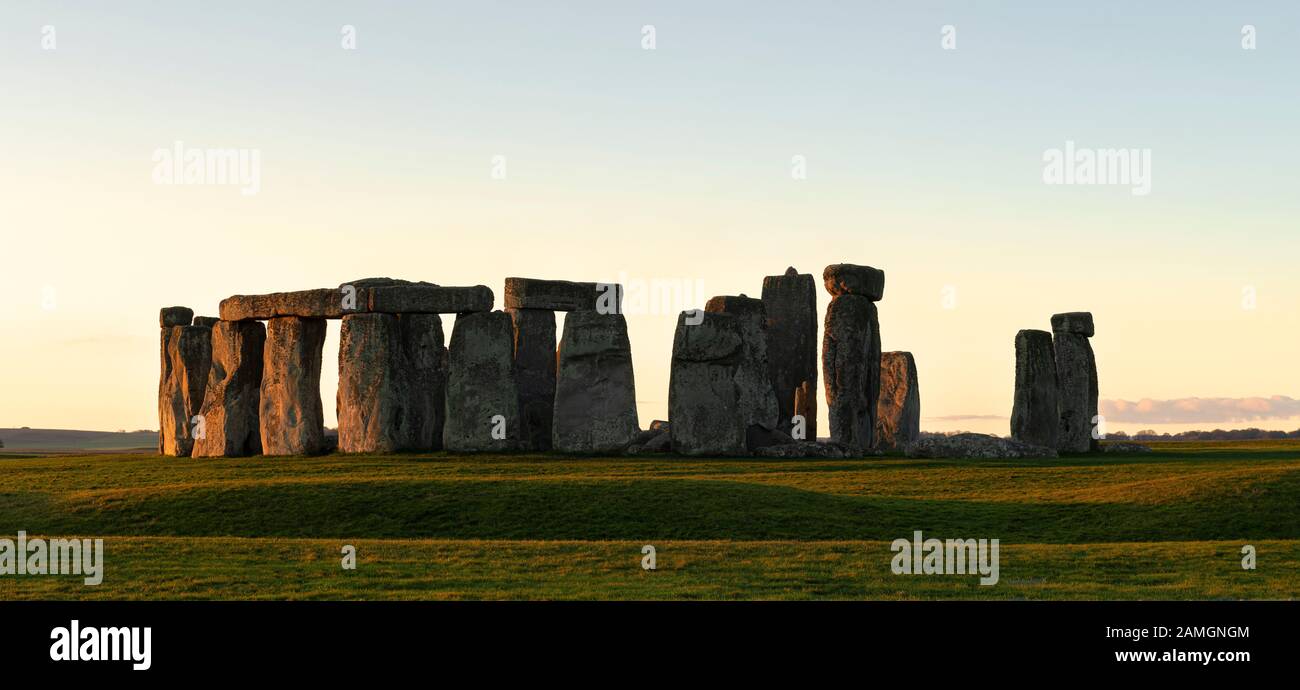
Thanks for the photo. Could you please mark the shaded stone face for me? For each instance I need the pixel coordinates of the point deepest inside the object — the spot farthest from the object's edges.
(1076, 392)
(535, 374)
(209, 321)
(291, 417)
(703, 403)
(851, 279)
(1076, 322)
(595, 391)
(563, 295)
(756, 399)
(186, 355)
(898, 410)
(232, 398)
(392, 379)
(367, 295)
(482, 391)
(790, 301)
(851, 369)
(1034, 415)
(175, 316)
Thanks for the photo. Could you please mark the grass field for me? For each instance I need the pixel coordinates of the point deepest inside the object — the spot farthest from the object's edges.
(1169, 525)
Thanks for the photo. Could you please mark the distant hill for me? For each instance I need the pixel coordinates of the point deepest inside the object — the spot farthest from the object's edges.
(18, 440)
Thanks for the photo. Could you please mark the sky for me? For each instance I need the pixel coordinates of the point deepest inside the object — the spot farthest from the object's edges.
(460, 143)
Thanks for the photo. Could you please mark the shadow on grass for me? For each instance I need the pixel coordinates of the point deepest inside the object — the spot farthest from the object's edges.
(634, 509)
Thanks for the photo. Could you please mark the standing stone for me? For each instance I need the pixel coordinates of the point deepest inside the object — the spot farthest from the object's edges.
(851, 368)
(1034, 415)
(186, 355)
(175, 316)
(1076, 372)
(756, 399)
(482, 390)
(595, 391)
(392, 375)
(233, 395)
(291, 418)
(703, 403)
(534, 352)
(791, 304)
(898, 411)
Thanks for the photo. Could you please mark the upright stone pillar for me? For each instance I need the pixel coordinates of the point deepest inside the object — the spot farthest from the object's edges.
(482, 390)
(703, 404)
(535, 363)
(292, 420)
(595, 390)
(791, 304)
(756, 399)
(1035, 418)
(898, 411)
(1076, 372)
(233, 395)
(185, 356)
(392, 378)
(851, 353)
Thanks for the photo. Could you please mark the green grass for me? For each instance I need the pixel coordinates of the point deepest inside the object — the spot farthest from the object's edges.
(1167, 525)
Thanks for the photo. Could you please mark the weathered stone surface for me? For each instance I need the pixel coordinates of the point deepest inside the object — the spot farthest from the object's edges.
(851, 369)
(975, 446)
(1123, 447)
(366, 295)
(1076, 322)
(1034, 415)
(703, 402)
(650, 441)
(563, 295)
(186, 355)
(324, 303)
(1076, 392)
(791, 304)
(392, 381)
(659, 425)
(209, 321)
(232, 398)
(175, 316)
(851, 279)
(291, 418)
(808, 449)
(756, 398)
(898, 410)
(430, 299)
(482, 391)
(535, 374)
(595, 390)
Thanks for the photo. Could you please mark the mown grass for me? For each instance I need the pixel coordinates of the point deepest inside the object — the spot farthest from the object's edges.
(1166, 525)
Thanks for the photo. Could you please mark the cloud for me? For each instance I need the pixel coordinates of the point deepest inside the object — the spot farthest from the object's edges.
(965, 417)
(1199, 410)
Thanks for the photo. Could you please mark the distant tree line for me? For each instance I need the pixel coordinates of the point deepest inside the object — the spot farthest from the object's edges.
(1251, 434)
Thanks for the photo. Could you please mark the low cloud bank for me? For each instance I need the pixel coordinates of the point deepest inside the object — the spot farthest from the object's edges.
(1199, 410)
